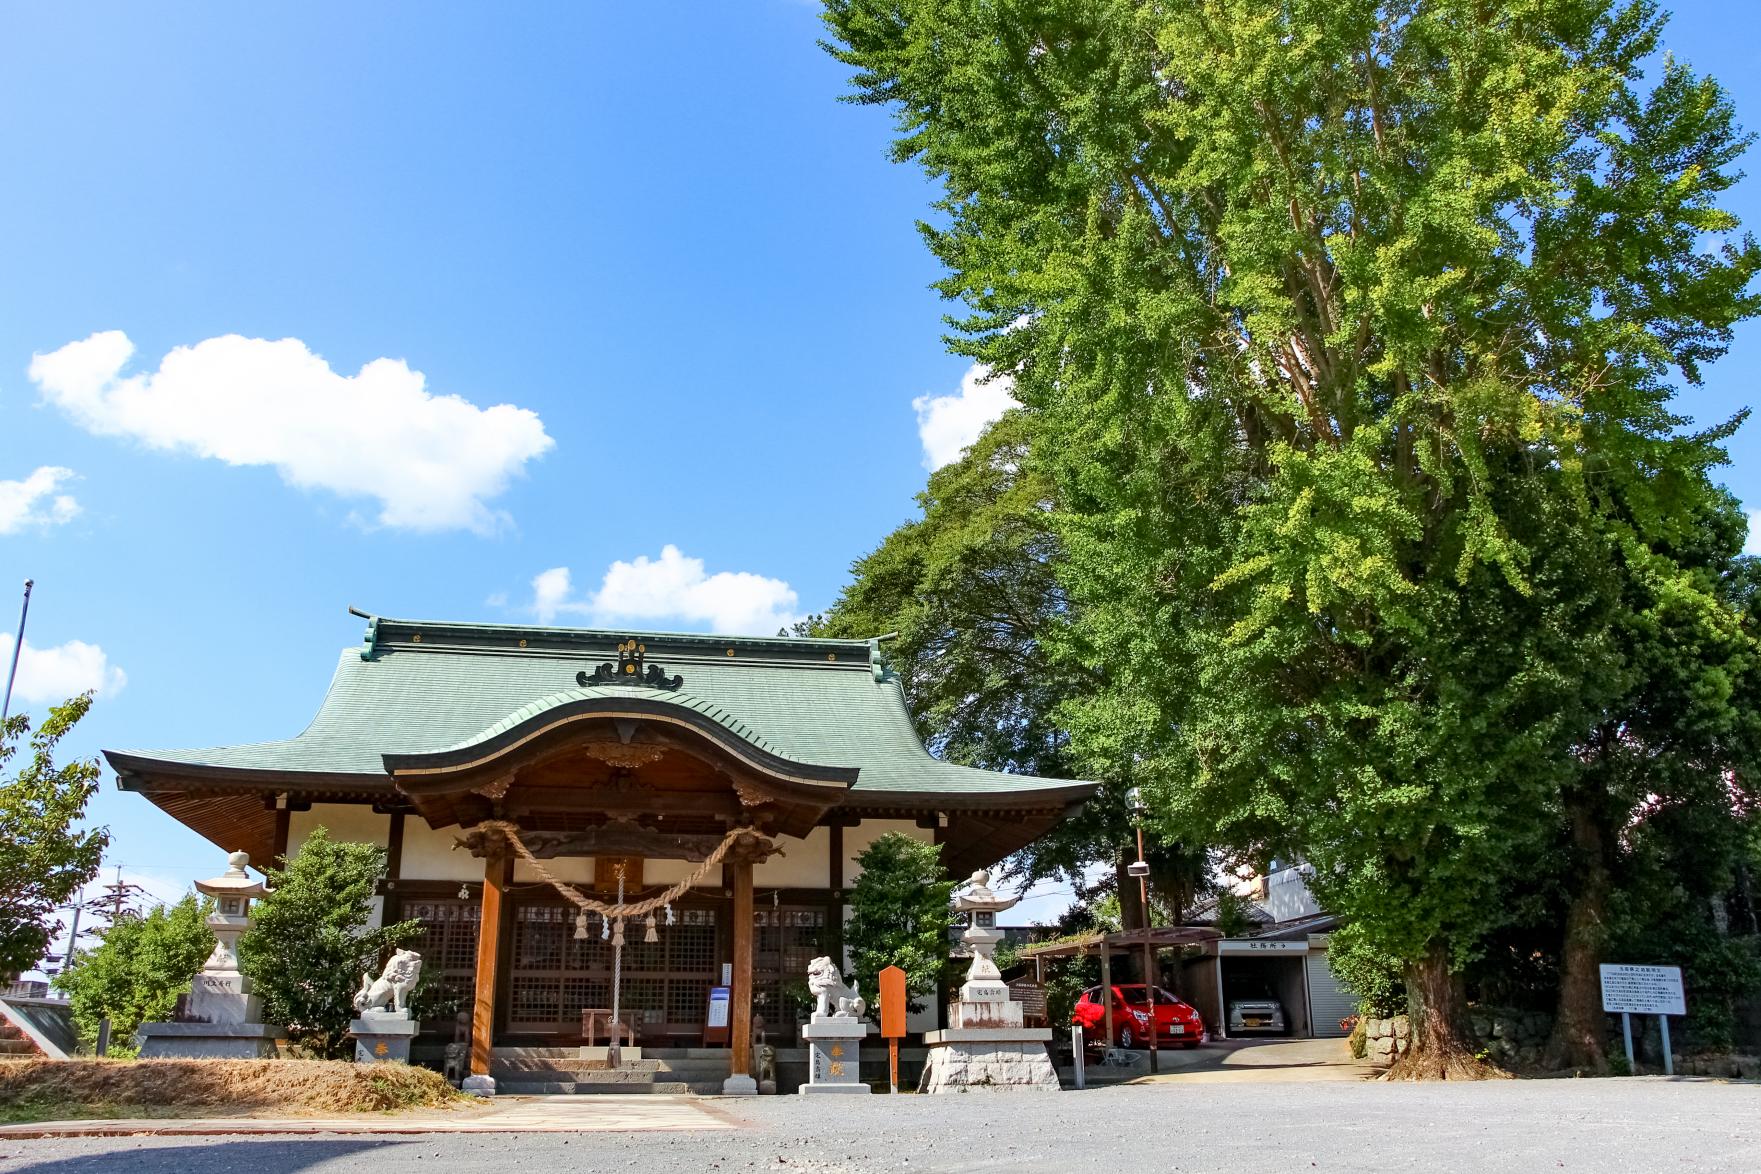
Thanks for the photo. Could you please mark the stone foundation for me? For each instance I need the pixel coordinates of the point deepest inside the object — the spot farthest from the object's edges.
(961, 1065)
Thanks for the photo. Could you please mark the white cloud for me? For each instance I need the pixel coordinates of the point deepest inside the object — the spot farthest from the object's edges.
(49, 676)
(1753, 545)
(431, 461)
(948, 424)
(34, 502)
(671, 587)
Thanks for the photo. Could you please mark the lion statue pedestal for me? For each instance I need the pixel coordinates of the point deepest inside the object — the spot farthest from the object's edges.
(834, 1033)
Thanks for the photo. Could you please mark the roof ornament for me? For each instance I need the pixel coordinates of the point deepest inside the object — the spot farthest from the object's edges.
(630, 670)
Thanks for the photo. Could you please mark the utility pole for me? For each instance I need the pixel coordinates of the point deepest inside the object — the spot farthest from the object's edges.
(120, 893)
(17, 647)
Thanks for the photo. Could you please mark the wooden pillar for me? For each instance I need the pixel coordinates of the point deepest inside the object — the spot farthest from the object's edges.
(740, 1021)
(496, 870)
(1107, 989)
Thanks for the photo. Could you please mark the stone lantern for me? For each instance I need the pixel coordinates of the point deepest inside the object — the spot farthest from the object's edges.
(986, 1045)
(221, 1017)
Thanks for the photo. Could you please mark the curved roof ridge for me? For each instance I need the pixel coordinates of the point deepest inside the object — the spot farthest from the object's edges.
(719, 715)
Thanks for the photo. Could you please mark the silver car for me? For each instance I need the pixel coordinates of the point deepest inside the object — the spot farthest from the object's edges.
(1252, 1008)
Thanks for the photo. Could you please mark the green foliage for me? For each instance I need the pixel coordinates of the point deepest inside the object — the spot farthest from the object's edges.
(1373, 977)
(1232, 918)
(309, 941)
(1359, 1040)
(899, 915)
(1351, 333)
(138, 971)
(972, 590)
(44, 861)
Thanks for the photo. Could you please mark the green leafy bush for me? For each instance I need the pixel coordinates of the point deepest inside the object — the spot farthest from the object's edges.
(309, 941)
(137, 973)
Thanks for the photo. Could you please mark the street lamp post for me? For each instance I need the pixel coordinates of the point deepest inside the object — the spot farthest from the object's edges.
(1140, 869)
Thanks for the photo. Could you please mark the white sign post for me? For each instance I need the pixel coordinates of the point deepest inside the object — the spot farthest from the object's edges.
(1644, 990)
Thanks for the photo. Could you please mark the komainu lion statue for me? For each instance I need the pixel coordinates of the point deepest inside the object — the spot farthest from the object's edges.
(827, 985)
(394, 983)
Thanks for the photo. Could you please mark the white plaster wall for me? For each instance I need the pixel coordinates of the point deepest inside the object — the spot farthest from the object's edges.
(574, 870)
(351, 822)
(429, 855)
(806, 863)
(355, 822)
(858, 838)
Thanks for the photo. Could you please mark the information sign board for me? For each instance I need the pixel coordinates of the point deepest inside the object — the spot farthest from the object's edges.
(1643, 990)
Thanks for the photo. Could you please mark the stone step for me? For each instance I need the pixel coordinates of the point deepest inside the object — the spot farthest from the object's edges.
(17, 1047)
(583, 1076)
(513, 1064)
(591, 1087)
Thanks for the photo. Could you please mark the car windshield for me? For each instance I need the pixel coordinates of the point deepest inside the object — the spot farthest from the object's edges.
(1257, 991)
(1134, 996)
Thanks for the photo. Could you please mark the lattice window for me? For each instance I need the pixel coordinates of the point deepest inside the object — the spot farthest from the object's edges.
(536, 1000)
(448, 945)
(539, 934)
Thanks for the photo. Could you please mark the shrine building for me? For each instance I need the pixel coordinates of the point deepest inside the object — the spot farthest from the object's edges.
(493, 762)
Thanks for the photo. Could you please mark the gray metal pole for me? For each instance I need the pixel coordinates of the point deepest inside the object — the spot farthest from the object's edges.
(1668, 1060)
(1626, 1033)
(17, 646)
(1076, 1048)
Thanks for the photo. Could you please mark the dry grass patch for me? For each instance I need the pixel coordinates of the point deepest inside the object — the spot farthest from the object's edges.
(46, 1090)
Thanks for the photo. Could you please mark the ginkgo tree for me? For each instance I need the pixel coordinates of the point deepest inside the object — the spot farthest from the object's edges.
(1356, 330)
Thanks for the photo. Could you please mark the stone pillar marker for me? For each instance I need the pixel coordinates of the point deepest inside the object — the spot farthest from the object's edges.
(986, 1046)
(834, 1033)
(221, 1016)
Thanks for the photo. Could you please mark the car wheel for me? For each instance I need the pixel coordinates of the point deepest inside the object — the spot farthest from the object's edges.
(1125, 1038)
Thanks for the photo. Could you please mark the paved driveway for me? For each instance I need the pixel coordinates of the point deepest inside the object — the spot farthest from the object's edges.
(1261, 1060)
(1633, 1125)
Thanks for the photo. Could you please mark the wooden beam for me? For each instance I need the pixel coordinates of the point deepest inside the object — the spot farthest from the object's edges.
(1107, 988)
(835, 857)
(283, 818)
(497, 872)
(394, 852)
(740, 1034)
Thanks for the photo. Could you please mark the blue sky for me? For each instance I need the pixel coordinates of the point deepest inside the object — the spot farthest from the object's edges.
(650, 231)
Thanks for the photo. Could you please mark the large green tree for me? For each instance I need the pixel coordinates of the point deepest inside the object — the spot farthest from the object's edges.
(45, 859)
(985, 650)
(1354, 328)
(138, 971)
(311, 939)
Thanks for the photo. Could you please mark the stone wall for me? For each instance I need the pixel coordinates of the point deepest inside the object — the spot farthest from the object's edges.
(1509, 1037)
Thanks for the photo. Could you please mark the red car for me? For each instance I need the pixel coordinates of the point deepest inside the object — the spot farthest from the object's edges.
(1177, 1023)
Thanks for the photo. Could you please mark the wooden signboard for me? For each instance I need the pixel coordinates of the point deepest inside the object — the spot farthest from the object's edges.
(605, 873)
(1032, 997)
(892, 1016)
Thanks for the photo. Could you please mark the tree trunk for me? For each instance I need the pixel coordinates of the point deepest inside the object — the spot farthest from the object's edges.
(1578, 1021)
(1439, 1044)
(1131, 913)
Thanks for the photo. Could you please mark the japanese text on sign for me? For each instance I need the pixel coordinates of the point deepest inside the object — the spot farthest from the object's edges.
(1643, 990)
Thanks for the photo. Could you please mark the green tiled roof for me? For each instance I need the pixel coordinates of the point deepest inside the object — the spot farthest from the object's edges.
(422, 687)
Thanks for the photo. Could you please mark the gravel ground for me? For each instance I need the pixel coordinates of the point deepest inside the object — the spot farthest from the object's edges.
(1613, 1125)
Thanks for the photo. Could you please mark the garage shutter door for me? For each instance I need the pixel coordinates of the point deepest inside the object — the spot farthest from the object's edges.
(1330, 1000)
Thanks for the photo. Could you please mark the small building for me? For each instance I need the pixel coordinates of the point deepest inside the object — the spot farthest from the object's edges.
(493, 760)
(1284, 956)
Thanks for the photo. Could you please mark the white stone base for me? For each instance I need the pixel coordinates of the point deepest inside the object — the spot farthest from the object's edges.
(208, 1041)
(813, 1090)
(383, 1037)
(478, 1086)
(988, 1060)
(739, 1085)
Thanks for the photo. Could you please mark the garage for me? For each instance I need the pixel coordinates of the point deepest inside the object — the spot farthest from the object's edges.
(1291, 974)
